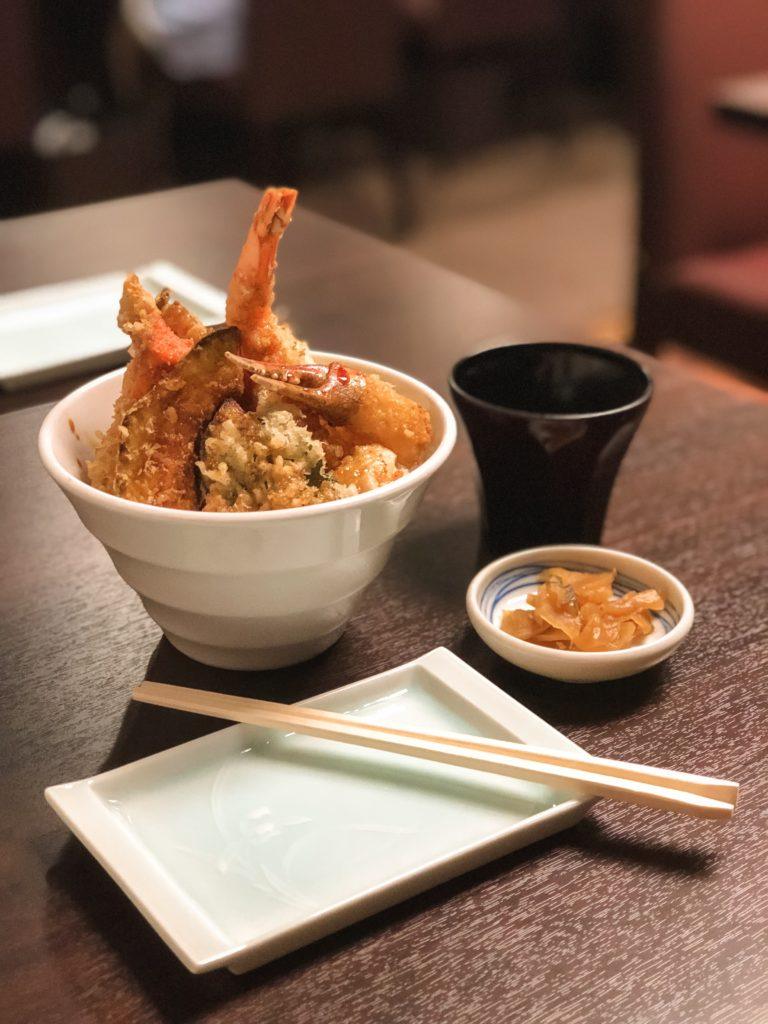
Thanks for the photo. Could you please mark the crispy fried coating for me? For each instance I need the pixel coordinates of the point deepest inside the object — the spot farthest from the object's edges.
(162, 333)
(369, 466)
(263, 460)
(100, 471)
(155, 346)
(252, 288)
(158, 435)
(179, 319)
(278, 344)
(386, 418)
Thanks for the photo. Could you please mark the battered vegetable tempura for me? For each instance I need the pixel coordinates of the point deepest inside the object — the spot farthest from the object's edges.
(238, 418)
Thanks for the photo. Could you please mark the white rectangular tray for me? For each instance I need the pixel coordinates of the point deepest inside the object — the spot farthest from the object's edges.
(248, 843)
(61, 329)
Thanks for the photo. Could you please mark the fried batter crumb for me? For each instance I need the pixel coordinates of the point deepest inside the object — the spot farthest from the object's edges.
(262, 460)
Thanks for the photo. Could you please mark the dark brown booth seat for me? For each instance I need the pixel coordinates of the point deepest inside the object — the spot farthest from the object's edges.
(718, 299)
(703, 261)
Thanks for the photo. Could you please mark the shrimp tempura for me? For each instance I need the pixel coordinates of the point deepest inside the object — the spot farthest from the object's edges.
(155, 348)
(252, 288)
(385, 417)
(179, 318)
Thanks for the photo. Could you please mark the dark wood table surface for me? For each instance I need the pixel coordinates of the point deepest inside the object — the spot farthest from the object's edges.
(631, 916)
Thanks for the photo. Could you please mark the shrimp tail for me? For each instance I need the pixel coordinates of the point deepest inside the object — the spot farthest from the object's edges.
(252, 288)
(181, 321)
(155, 346)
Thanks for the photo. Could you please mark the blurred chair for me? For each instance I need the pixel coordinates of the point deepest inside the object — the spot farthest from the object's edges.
(20, 104)
(703, 262)
(480, 65)
(300, 71)
(332, 64)
(308, 60)
(19, 97)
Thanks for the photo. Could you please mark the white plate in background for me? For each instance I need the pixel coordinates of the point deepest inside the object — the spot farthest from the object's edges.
(59, 330)
(249, 843)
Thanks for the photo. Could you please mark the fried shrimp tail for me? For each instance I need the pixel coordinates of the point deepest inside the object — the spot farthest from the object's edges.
(179, 319)
(162, 333)
(252, 287)
(155, 346)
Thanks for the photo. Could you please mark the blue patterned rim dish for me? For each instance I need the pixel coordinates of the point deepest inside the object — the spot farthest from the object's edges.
(520, 580)
(506, 583)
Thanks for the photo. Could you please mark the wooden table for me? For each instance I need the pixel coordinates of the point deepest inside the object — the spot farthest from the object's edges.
(631, 916)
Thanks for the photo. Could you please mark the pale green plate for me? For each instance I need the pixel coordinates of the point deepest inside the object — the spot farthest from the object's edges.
(248, 843)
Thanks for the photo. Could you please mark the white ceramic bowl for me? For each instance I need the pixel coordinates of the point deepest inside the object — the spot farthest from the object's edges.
(245, 590)
(504, 583)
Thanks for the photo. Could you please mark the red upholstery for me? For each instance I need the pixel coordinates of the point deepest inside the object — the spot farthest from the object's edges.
(718, 304)
(738, 278)
(305, 60)
(704, 182)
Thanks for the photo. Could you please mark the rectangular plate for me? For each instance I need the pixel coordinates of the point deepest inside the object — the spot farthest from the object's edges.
(62, 329)
(249, 843)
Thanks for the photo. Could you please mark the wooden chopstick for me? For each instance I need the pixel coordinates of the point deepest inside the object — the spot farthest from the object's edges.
(230, 707)
(577, 773)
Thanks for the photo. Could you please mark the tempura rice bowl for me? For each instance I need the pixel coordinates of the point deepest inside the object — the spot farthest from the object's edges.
(243, 590)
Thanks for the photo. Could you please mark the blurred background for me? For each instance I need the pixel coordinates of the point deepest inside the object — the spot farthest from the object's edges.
(578, 155)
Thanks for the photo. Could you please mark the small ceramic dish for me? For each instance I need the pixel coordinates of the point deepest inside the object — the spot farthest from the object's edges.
(504, 584)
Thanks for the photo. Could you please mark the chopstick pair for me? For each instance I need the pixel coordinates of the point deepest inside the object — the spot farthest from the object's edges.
(580, 774)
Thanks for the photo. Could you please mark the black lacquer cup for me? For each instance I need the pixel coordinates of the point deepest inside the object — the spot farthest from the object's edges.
(549, 423)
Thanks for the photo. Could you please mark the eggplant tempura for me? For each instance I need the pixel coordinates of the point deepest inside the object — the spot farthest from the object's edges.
(237, 418)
